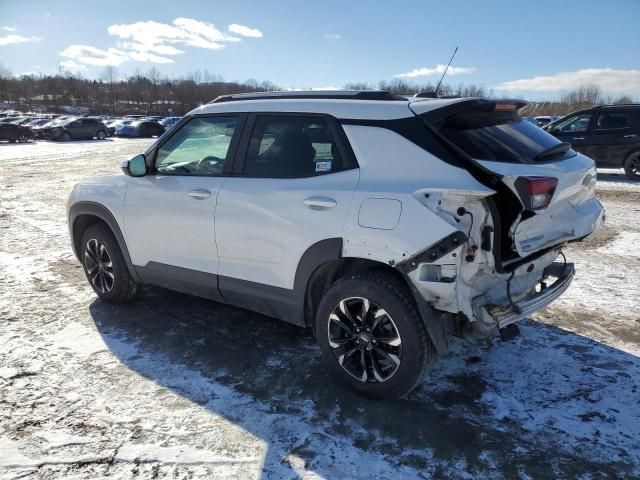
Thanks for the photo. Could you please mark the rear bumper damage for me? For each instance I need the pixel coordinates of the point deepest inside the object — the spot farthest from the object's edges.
(561, 274)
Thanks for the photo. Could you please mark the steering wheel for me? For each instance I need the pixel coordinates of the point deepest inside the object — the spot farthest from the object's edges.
(211, 164)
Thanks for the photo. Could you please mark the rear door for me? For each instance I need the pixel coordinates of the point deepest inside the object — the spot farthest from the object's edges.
(292, 188)
(614, 132)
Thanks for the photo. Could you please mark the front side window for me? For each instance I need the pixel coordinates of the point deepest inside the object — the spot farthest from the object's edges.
(609, 120)
(579, 123)
(200, 147)
(292, 146)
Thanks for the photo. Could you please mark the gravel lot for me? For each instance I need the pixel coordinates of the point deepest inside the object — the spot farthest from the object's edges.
(173, 386)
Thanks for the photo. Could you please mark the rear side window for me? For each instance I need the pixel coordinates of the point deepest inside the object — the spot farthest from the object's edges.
(283, 146)
(613, 120)
(487, 133)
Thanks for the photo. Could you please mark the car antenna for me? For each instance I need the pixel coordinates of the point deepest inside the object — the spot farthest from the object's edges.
(435, 94)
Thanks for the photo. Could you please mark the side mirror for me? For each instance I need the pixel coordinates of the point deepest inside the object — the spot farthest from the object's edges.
(136, 167)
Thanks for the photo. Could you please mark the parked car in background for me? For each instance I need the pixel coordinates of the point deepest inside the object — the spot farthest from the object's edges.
(545, 119)
(140, 128)
(15, 133)
(609, 134)
(38, 122)
(358, 218)
(168, 122)
(75, 128)
(112, 125)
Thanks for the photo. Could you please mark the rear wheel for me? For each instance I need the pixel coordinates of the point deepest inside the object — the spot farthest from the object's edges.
(372, 337)
(23, 138)
(105, 267)
(632, 166)
(66, 136)
(101, 135)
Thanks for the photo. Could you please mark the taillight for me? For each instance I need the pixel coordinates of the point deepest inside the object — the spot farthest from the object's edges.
(536, 192)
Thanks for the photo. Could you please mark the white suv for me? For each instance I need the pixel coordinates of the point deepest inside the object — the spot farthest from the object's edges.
(384, 223)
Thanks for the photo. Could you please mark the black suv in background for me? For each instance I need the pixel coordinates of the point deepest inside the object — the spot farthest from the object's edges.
(609, 134)
(75, 128)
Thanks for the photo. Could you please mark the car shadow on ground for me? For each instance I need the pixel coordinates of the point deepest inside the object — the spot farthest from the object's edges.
(463, 412)
(612, 176)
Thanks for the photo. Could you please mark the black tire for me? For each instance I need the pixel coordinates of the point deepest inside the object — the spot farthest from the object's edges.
(66, 136)
(23, 138)
(632, 166)
(101, 135)
(121, 287)
(415, 351)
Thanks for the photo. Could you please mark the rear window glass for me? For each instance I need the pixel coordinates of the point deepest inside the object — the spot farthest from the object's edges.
(498, 135)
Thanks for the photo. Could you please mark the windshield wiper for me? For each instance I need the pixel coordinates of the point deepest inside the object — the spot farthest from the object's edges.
(559, 149)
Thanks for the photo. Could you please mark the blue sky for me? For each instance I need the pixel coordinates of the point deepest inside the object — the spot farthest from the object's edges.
(535, 49)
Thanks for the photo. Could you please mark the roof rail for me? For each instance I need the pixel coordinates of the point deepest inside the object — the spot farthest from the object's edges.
(313, 94)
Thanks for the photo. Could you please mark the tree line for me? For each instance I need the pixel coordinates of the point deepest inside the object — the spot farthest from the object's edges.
(151, 93)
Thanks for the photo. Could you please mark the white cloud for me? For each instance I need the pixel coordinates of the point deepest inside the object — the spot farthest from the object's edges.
(73, 66)
(332, 36)
(88, 55)
(158, 38)
(245, 31)
(425, 71)
(154, 42)
(13, 39)
(6, 28)
(608, 79)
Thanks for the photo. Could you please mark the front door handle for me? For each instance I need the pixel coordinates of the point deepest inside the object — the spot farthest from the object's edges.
(578, 138)
(199, 193)
(320, 203)
(633, 135)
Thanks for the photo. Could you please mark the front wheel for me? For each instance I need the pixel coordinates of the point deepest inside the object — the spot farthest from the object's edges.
(632, 166)
(66, 136)
(101, 135)
(105, 267)
(372, 337)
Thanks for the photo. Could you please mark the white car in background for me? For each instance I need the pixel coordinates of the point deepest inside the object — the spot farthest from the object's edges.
(383, 223)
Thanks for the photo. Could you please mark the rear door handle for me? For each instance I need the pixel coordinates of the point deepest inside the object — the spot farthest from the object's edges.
(633, 135)
(320, 203)
(578, 138)
(199, 193)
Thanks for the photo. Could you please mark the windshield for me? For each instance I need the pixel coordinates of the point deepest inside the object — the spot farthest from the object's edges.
(485, 133)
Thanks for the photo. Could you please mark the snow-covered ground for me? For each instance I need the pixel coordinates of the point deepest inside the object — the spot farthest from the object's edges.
(173, 386)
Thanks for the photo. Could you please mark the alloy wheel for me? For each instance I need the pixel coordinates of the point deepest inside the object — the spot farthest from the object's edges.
(364, 340)
(98, 265)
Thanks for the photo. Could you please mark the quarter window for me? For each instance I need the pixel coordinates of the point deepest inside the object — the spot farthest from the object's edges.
(200, 147)
(292, 146)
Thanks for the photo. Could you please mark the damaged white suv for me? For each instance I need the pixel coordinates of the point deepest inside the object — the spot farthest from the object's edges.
(384, 223)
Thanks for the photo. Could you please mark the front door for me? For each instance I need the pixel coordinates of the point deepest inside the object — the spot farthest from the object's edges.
(169, 212)
(575, 130)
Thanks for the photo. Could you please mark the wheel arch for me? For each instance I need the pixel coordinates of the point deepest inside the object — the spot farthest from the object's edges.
(312, 283)
(630, 151)
(84, 214)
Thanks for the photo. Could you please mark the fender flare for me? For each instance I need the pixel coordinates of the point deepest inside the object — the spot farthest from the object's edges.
(103, 213)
